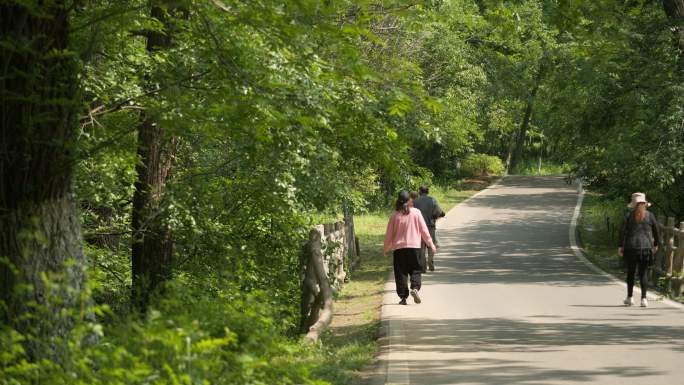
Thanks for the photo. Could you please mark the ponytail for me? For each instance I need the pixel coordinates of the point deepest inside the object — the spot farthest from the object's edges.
(402, 207)
(640, 213)
(402, 204)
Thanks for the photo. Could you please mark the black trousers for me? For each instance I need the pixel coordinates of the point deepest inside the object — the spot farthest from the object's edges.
(406, 264)
(637, 259)
(427, 257)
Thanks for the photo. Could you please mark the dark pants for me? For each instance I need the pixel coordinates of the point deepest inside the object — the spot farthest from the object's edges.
(637, 258)
(427, 257)
(406, 264)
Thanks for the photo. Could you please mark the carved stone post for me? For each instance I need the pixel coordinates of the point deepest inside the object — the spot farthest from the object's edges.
(323, 306)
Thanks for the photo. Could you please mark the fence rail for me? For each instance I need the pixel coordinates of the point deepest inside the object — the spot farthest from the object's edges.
(331, 250)
(670, 257)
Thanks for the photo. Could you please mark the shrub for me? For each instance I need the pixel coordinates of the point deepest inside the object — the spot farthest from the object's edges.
(222, 338)
(481, 165)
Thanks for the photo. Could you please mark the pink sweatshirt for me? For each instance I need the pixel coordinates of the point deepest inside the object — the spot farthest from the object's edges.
(404, 231)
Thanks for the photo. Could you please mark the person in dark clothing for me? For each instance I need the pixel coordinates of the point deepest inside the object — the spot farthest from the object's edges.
(638, 243)
(405, 230)
(413, 195)
(431, 211)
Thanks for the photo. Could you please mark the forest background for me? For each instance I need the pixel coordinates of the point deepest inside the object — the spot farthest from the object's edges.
(162, 161)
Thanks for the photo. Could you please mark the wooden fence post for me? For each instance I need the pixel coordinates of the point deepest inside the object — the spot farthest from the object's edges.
(310, 288)
(323, 306)
(660, 255)
(350, 238)
(678, 264)
(669, 245)
(677, 281)
(327, 253)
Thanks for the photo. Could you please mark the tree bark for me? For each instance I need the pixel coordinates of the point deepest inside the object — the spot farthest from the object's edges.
(40, 232)
(153, 244)
(152, 249)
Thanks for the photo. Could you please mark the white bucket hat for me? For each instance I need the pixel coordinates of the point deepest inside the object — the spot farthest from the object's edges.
(637, 198)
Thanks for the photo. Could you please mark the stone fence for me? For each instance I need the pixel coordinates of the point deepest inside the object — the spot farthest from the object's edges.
(330, 252)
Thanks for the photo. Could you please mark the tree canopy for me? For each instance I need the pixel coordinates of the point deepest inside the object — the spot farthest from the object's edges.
(163, 160)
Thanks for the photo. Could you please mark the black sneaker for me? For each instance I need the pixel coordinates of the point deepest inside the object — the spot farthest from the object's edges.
(403, 302)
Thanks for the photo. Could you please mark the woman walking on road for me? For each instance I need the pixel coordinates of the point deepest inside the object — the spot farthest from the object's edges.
(405, 230)
(639, 236)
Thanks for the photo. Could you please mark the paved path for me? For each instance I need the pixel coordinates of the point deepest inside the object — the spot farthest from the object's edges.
(511, 304)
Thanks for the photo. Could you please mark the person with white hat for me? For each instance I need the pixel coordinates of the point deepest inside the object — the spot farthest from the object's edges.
(639, 235)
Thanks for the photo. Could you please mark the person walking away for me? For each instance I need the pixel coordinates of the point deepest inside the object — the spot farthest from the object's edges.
(405, 229)
(413, 195)
(431, 211)
(638, 243)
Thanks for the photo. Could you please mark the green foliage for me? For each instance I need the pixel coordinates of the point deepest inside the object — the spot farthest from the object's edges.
(482, 165)
(192, 338)
(532, 167)
(599, 227)
(612, 106)
(274, 125)
(282, 113)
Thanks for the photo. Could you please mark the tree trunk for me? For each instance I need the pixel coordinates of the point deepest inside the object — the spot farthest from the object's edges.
(519, 145)
(40, 232)
(152, 249)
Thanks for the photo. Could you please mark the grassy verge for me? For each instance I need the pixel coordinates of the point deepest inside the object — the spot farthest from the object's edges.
(598, 226)
(350, 343)
(531, 167)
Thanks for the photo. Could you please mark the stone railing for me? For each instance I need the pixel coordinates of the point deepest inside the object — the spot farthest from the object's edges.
(670, 257)
(331, 250)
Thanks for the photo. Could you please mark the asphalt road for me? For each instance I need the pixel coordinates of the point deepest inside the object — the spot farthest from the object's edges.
(510, 303)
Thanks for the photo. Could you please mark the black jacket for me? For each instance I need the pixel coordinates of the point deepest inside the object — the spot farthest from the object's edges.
(634, 235)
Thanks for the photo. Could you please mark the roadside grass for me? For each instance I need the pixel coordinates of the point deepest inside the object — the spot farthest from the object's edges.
(531, 167)
(349, 345)
(599, 227)
(449, 197)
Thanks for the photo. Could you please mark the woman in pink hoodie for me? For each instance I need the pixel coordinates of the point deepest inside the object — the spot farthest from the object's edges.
(405, 230)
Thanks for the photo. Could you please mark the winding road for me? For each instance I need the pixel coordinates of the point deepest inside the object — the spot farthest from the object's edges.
(511, 303)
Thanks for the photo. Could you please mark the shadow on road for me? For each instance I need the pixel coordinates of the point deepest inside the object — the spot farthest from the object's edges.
(441, 338)
(514, 335)
(511, 251)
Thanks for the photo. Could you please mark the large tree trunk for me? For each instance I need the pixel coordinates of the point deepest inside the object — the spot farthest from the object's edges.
(152, 249)
(40, 233)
